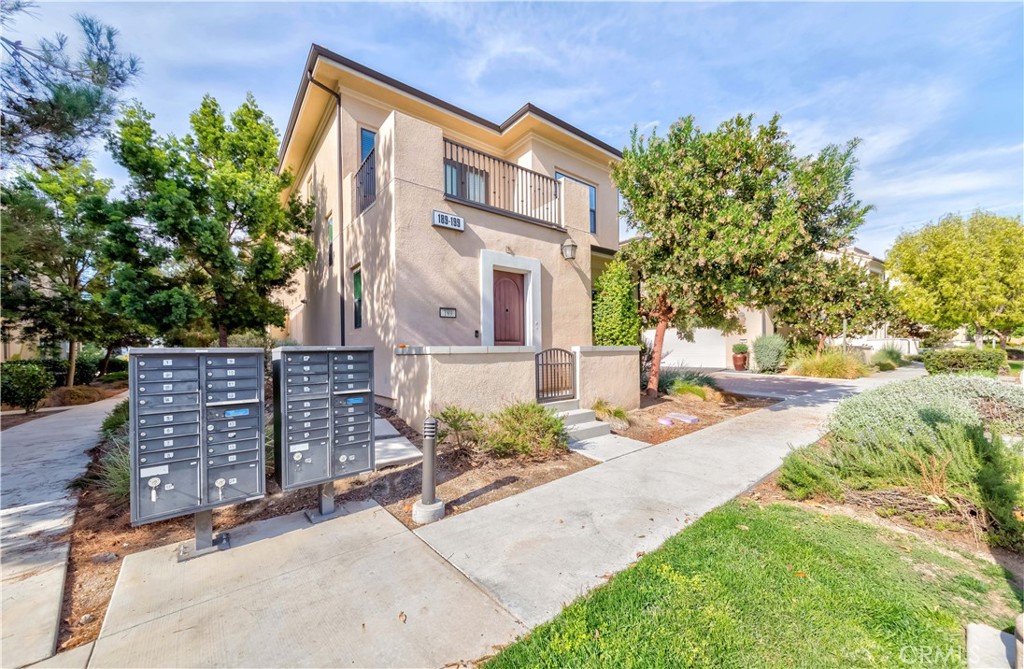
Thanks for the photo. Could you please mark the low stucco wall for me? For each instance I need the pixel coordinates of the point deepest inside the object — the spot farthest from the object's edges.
(609, 373)
(427, 379)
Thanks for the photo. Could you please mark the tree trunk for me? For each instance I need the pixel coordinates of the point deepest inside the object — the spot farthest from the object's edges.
(106, 361)
(72, 360)
(1004, 340)
(979, 336)
(821, 344)
(222, 335)
(659, 344)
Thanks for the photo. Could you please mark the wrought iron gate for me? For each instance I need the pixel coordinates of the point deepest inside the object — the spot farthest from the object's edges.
(556, 375)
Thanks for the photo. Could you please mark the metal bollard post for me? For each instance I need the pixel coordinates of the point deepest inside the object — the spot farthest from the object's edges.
(429, 509)
(429, 495)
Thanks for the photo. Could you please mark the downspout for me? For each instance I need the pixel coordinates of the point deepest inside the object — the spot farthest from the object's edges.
(341, 182)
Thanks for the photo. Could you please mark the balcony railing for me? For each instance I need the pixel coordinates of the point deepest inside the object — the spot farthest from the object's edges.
(481, 180)
(366, 183)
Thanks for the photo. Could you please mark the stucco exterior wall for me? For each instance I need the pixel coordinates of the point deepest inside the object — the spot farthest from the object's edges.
(478, 378)
(609, 373)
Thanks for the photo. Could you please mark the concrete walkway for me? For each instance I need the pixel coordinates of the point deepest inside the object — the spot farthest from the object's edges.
(361, 590)
(37, 461)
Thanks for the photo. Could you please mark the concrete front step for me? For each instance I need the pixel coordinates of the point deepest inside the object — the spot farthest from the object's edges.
(562, 405)
(588, 430)
(577, 416)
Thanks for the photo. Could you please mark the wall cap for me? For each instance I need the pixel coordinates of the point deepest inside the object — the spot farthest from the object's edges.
(460, 350)
(606, 349)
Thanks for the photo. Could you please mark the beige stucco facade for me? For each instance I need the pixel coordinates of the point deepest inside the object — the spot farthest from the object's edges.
(410, 269)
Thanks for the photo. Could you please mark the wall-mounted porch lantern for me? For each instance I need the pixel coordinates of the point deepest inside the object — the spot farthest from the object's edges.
(569, 249)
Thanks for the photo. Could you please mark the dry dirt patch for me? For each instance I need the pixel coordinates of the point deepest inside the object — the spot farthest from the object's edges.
(719, 406)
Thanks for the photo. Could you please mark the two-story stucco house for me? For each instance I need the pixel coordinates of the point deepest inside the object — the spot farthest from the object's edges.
(458, 247)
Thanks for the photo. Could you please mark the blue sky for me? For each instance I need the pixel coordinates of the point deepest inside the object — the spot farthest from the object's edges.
(935, 91)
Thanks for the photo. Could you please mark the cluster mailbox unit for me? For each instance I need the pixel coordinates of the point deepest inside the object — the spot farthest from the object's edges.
(324, 422)
(196, 433)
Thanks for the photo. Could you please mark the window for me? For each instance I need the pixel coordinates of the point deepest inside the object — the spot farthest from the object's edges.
(367, 140)
(593, 198)
(309, 189)
(465, 182)
(330, 240)
(357, 303)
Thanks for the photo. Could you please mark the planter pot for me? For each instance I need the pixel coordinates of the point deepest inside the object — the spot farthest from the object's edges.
(739, 361)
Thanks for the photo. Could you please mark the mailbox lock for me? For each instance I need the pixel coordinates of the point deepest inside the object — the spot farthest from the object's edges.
(220, 488)
(297, 457)
(153, 483)
(342, 459)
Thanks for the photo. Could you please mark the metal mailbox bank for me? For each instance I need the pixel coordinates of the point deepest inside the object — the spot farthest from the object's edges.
(323, 423)
(196, 431)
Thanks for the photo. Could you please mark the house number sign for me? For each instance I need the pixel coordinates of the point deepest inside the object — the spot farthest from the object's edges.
(447, 312)
(450, 221)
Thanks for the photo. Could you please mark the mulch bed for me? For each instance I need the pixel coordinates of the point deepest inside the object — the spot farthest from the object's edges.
(644, 425)
(64, 397)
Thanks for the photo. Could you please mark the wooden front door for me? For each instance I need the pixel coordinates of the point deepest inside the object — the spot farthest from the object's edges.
(509, 309)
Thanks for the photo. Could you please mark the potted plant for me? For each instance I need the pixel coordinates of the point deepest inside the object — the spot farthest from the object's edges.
(739, 356)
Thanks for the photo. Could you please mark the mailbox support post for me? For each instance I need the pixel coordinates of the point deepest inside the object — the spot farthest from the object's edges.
(204, 543)
(429, 509)
(326, 509)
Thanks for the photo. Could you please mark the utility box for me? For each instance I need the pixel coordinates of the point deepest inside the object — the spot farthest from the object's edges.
(324, 411)
(197, 424)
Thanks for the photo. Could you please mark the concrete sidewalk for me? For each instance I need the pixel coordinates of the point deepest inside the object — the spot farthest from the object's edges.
(37, 461)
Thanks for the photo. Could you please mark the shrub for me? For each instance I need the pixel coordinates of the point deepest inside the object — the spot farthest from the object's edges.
(75, 395)
(672, 377)
(55, 366)
(24, 385)
(86, 367)
(964, 361)
(740, 349)
(113, 376)
(831, 364)
(462, 425)
(646, 361)
(616, 314)
(769, 353)
(617, 416)
(114, 473)
(927, 434)
(680, 387)
(524, 428)
(115, 365)
(117, 418)
(889, 355)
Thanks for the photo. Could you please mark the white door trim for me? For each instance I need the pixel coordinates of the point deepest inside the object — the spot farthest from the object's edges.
(494, 260)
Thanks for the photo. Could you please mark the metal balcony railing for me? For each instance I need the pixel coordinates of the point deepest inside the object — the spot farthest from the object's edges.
(487, 182)
(366, 182)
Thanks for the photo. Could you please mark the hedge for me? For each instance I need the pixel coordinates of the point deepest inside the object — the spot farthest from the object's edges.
(964, 360)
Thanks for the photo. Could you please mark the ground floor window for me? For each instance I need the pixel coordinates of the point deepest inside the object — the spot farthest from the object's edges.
(357, 301)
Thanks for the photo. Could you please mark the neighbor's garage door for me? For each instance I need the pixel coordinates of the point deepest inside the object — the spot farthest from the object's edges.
(708, 349)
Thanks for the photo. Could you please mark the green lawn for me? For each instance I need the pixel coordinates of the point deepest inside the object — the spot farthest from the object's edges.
(1016, 366)
(777, 586)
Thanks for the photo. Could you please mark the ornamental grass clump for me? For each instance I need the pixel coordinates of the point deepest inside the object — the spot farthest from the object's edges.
(830, 364)
(889, 358)
(523, 428)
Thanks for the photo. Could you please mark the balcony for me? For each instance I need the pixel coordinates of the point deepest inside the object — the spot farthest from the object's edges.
(483, 181)
(366, 182)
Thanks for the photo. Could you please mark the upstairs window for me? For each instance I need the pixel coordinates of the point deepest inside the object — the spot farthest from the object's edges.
(367, 140)
(357, 302)
(593, 198)
(465, 182)
(330, 240)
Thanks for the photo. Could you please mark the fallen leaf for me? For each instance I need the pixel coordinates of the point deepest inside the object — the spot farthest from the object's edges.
(742, 527)
(640, 554)
(408, 507)
(801, 574)
(597, 634)
(401, 616)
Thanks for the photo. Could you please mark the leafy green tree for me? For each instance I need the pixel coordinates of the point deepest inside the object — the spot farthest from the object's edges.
(51, 285)
(616, 311)
(727, 218)
(835, 293)
(960, 272)
(214, 242)
(54, 102)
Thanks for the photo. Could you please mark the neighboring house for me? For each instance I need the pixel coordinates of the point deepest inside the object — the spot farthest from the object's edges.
(437, 228)
(712, 349)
